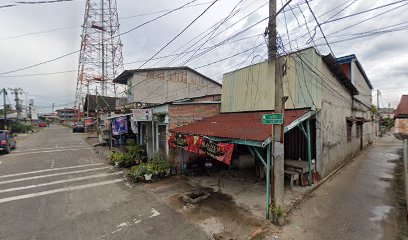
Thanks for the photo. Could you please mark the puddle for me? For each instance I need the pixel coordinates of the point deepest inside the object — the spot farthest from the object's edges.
(212, 225)
(380, 213)
(218, 214)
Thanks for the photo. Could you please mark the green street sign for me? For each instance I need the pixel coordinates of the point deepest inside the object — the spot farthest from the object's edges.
(274, 118)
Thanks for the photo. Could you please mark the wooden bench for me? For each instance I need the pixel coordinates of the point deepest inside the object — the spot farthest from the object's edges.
(293, 176)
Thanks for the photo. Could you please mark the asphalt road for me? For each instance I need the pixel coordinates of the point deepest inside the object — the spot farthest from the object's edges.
(357, 203)
(54, 187)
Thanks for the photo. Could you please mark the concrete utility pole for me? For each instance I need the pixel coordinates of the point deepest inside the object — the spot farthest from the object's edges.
(277, 131)
(4, 109)
(17, 92)
(378, 99)
(52, 109)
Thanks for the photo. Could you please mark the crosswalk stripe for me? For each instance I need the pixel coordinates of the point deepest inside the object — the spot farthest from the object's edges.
(52, 175)
(66, 189)
(49, 151)
(50, 148)
(49, 170)
(60, 181)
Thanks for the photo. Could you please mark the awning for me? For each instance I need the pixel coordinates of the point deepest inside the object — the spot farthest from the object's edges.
(245, 128)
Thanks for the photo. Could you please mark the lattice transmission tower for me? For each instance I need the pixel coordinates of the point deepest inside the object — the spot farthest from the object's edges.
(100, 59)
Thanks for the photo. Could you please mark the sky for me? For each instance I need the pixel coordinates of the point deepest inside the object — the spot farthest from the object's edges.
(36, 33)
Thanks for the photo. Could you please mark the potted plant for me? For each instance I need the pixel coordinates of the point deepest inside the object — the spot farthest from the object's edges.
(148, 172)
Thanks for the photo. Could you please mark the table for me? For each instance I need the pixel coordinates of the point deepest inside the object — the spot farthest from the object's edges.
(298, 166)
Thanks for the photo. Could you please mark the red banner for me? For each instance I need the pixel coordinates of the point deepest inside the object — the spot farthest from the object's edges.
(219, 151)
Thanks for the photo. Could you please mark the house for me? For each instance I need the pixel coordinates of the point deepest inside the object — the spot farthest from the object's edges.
(166, 84)
(327, 118)
(401, 118)
(154, 122)
(66, 114)
(102, 104)
(386, 113)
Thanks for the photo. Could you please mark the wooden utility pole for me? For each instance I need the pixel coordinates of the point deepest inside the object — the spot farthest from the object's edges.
(275, 65)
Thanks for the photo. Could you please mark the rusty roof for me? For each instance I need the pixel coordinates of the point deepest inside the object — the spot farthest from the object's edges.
(243, 126)
(402, 109)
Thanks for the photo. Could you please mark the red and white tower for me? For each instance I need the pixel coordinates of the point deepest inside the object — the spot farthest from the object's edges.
(100, 59)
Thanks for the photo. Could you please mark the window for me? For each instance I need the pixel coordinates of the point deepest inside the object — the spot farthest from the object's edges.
(359, 130)
(349, 128)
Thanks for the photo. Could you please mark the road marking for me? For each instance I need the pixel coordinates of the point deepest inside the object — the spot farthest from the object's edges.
(66, 189)
(48, 170)
(52, 175)
(50, 148)
(49, 151)
(155, 213)
(60, 181)
(52, 163)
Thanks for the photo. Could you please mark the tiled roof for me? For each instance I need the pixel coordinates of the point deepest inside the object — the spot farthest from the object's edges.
(402, 109)
(243, 126)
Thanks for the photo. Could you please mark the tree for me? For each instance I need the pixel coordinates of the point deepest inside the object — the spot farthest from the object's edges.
(8, 109)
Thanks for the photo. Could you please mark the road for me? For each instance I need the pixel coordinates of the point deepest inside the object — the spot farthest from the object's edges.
(357, 203)
(54, 187)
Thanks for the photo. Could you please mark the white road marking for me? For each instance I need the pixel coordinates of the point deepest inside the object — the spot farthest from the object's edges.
(155, 213)
(48, 170)
(52, 163)
(124, 224)
(66, 189)
(59, 181)
(52, 175)
(49, 151)
(117, 230)
(50, 148)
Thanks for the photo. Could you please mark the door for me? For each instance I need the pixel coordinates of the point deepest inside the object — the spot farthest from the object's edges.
(162, 139)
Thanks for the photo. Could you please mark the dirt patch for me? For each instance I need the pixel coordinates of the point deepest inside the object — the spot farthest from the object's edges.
(399, 191)
(218, 215)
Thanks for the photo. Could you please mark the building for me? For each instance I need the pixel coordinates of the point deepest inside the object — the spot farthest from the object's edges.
(401, 118)
(99, 104)
(66, 114)
(327, 118)
(386, 112)
(159, 85)
(155, 122)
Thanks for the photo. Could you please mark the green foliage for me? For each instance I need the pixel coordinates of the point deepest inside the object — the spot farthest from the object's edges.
(160, 163)
(20, 128)
(8, 109)
(374, 109)
(121, 159)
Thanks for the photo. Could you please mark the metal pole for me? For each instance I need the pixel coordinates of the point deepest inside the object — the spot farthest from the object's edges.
(268, 180)
(309, 151)
(182, 161)
(4, 109)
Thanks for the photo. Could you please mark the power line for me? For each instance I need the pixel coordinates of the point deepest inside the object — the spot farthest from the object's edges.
(320, 27)
(182, 31)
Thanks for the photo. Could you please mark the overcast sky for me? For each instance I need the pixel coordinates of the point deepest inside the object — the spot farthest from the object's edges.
(34, 33)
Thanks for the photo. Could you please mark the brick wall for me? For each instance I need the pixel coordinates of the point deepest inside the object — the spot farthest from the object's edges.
(180, 115)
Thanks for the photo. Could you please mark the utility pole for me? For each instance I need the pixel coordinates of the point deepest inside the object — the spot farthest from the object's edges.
(4, 109)
(378, 99)
(52, 109)
(275, 65)
(17, 92)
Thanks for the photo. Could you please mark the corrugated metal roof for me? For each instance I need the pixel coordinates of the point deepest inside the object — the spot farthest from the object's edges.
(124, 76)
(402, 109)
(243, 126)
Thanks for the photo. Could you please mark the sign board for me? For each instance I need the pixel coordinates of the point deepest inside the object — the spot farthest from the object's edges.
(142, 114)
(119, 126)
(274, 118)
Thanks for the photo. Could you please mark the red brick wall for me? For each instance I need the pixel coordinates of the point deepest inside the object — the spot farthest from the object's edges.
(180, 115)
(346, 69)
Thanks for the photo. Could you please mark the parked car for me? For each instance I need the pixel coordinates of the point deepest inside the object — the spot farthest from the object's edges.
(42, 124)
(7, 141)
(78, 127)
